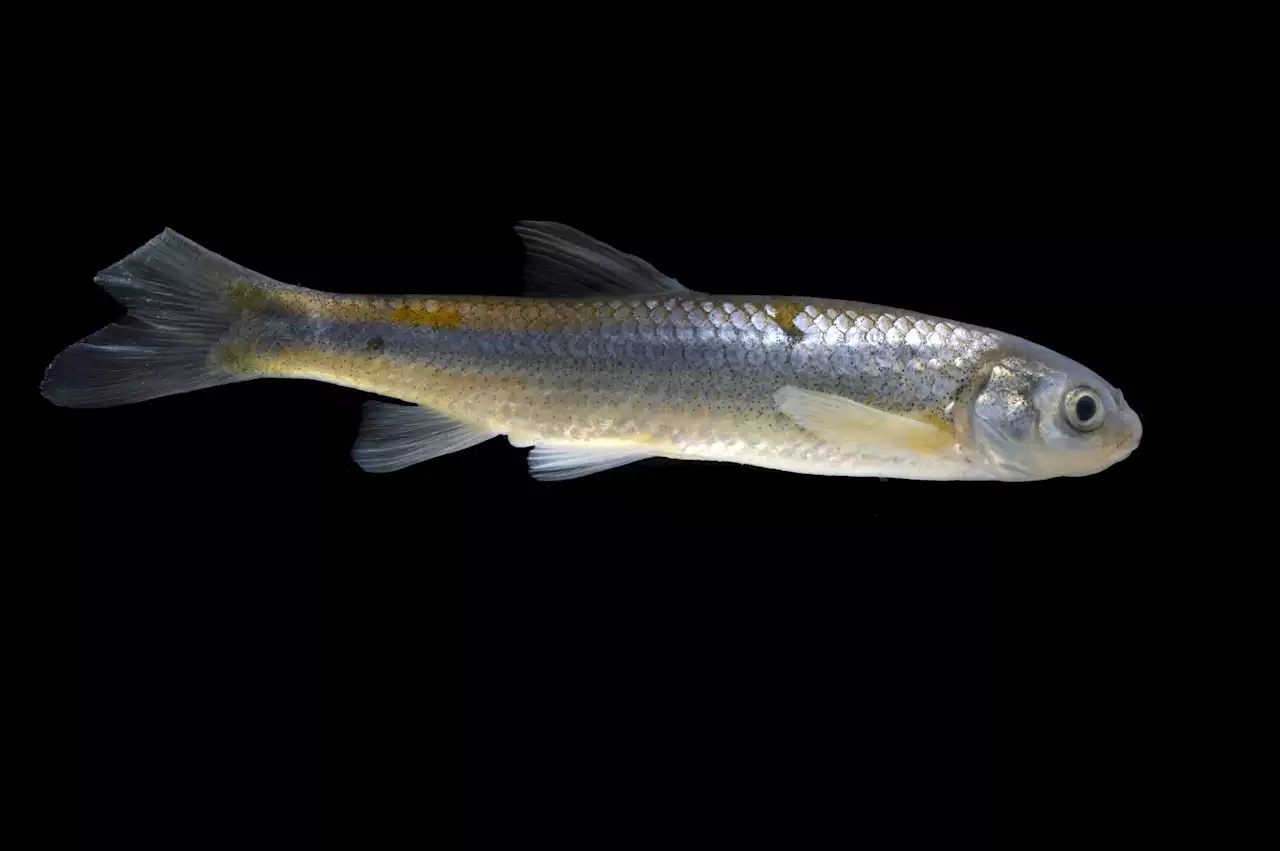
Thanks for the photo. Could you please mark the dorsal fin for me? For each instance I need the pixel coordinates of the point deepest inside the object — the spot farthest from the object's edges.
(562, 261)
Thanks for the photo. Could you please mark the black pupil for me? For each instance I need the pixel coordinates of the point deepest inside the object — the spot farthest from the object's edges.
(1086, 408)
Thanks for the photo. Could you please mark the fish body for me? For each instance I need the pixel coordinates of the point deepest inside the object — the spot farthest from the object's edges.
(607, 361)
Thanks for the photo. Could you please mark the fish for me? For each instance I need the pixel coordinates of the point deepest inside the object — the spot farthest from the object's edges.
(604, 361)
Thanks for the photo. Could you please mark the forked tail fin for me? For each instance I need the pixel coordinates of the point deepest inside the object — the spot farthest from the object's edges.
(182, 301)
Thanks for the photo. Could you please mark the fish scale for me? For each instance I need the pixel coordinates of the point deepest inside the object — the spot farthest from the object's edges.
(686, 377)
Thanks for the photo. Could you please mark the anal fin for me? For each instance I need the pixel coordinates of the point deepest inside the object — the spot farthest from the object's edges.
(393, 437)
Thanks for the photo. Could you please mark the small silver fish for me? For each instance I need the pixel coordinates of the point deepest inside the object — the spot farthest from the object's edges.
(607, 361)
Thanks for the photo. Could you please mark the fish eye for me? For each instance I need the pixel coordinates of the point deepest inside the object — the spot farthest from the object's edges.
(1083, 409)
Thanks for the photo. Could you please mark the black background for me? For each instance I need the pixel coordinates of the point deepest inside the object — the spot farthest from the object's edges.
(243, 640)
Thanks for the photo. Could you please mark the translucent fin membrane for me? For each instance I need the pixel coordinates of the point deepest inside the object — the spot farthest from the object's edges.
(181, 302)
(393, 437)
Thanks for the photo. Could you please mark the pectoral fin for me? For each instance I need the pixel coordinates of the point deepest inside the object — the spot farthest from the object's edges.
(844, 422)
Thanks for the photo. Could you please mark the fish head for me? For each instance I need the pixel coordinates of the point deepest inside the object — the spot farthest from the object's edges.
(1035, 414)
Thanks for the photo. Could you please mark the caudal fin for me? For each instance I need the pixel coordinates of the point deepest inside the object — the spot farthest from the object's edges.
(182, 301)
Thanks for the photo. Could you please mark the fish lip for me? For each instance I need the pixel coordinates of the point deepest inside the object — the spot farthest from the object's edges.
(1131, 442)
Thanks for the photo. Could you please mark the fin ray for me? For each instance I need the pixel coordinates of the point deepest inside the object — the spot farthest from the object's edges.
(846, 422)
(563, 261)
(557, 462)
(393, 436)
(180, 302)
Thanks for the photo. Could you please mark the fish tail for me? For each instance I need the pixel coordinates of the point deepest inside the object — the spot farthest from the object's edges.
(183, 301)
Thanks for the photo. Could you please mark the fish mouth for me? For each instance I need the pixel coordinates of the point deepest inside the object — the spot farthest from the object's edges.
(1130, 442)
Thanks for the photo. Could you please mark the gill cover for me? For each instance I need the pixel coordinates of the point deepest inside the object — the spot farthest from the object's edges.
(1036, 414)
